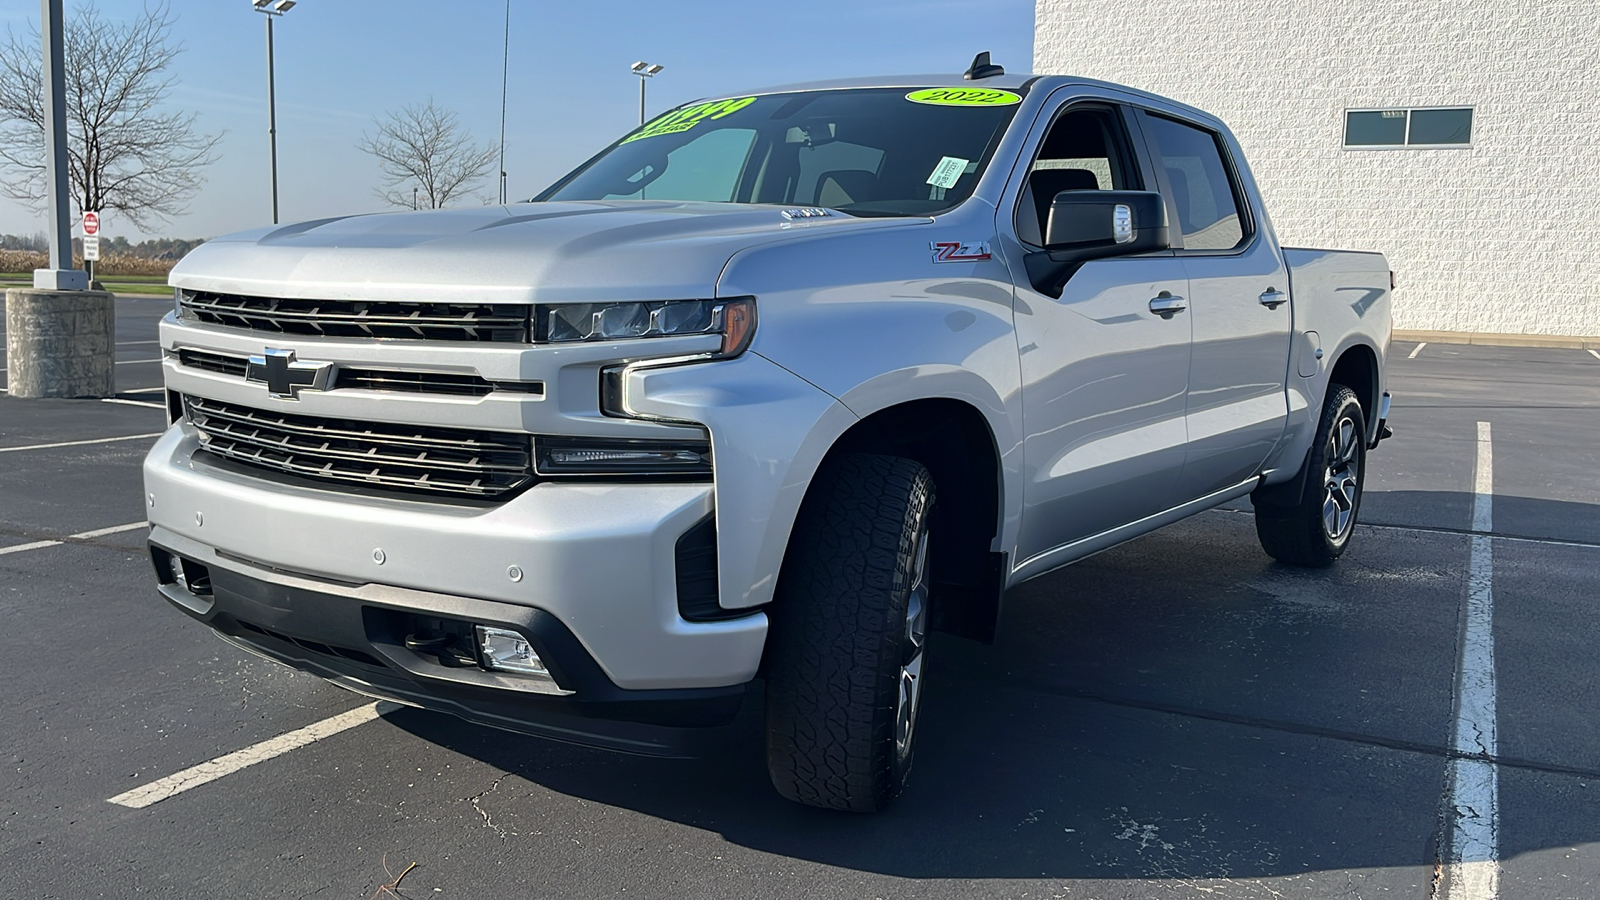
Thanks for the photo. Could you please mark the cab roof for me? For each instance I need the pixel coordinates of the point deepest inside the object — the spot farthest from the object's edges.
(1019, 81)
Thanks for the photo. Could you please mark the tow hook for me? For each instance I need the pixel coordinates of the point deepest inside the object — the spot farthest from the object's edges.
(443, 646)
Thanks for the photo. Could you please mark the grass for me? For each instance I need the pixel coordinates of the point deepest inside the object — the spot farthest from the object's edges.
(153, 285)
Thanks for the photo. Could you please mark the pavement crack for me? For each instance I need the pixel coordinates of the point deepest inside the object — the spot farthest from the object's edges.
(477, 805)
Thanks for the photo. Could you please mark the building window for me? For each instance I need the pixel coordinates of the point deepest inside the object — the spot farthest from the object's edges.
(1368, 129)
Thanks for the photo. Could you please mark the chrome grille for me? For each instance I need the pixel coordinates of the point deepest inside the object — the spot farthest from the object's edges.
(422, 459)
(373, 379)
(213, 362)
(480, 322)
(429, 383)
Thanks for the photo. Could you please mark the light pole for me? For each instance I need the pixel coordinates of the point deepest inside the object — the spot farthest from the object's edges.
(505, 71)
(60, 276)
(644, 70)
(273, 9)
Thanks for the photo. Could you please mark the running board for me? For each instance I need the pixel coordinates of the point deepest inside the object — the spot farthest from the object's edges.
(1051, 560)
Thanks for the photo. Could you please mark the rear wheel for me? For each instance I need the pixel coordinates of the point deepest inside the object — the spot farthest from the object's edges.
(848, 636)
(1316, 531)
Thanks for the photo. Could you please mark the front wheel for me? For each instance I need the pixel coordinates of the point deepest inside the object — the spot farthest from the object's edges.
(1316, 531)
(848, 630)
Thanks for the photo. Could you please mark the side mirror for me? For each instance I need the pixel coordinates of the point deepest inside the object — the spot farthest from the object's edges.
(1096, 224)
(1088, 225)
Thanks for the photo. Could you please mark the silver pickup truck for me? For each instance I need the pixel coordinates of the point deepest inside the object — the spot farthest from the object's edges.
(760, 395)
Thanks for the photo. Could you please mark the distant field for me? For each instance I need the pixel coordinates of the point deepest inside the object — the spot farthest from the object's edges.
(117, 284)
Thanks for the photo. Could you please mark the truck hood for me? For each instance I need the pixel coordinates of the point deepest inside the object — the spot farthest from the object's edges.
(525, 253)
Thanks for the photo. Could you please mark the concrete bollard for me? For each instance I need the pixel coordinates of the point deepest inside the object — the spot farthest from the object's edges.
(60, 343)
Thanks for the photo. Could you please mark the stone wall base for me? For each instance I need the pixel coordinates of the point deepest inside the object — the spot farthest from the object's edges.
(60, 343)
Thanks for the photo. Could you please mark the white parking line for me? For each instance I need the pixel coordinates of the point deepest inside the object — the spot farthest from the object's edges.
(102, 532)
(131, 343)
(1417, 349)
(145, 403)
(36, 545)
(1595, 353)
(80, 536)
(126, 437)
(130, 362)
(1472, 867)
(206, 772)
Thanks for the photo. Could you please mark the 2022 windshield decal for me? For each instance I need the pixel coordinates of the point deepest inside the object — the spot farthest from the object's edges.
(964, 97)
(682, 120)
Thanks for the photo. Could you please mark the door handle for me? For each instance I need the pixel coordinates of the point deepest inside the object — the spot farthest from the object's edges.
(1166, 305)
(1274, 298)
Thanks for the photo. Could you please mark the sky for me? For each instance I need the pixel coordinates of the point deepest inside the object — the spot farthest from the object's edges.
(342, 63)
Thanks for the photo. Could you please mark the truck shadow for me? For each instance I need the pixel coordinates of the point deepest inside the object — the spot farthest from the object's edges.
(1177, 708)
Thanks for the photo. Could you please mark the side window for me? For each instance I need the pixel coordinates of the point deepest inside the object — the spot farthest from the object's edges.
(1085, 150)
(1202, 186)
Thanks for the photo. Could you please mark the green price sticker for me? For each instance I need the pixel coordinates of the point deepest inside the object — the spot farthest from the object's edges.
(964, 97)
(682, 120)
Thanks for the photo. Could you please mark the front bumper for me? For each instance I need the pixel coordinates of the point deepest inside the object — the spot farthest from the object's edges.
(598, 559)
(355, 637)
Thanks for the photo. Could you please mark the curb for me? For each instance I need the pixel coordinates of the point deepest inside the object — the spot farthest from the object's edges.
(1550, 341)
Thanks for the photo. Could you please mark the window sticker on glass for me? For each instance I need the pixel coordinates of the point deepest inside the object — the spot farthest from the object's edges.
(964, 97)
(684, 119)
(948, 172)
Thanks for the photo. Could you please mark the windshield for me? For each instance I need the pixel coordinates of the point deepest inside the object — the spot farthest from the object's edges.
(884, 152)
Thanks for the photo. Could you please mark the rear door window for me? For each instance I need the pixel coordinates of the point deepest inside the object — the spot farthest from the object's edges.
(1201, 184)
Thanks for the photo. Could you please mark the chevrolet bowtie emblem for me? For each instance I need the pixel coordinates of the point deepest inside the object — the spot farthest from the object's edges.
(285, 376)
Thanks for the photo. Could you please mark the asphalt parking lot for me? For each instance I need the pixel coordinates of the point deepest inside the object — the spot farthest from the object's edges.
(1177, 717)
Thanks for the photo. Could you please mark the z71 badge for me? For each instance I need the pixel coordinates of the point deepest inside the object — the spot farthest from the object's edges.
(957, 251)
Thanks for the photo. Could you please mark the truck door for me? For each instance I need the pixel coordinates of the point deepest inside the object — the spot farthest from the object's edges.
(1238, 307)
(1103, 376)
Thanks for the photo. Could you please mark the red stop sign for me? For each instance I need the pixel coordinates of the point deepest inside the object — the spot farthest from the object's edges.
(91, 223)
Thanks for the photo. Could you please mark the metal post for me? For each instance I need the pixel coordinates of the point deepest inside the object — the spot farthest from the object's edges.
(641, 99)
(60, 275)
(505, 71)
(272, 121)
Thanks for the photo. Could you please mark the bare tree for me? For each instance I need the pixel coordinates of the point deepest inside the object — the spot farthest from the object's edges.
(125, 153)
(426, 157)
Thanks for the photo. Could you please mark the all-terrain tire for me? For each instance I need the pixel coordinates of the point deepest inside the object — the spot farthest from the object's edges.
(1315, 532)
(853, 584)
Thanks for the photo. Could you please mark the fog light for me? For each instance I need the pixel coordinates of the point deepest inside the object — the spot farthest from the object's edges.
(507, 651)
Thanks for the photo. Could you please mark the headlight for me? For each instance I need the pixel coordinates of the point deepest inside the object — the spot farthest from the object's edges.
(621, 456)
(733, 319)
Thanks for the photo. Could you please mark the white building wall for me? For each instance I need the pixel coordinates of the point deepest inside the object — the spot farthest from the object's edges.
(1501, 237)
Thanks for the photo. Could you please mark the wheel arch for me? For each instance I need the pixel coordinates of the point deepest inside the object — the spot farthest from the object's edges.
(1356, 367)
(956, 443)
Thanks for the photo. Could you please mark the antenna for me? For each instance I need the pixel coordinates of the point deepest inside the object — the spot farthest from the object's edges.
(982, 68)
